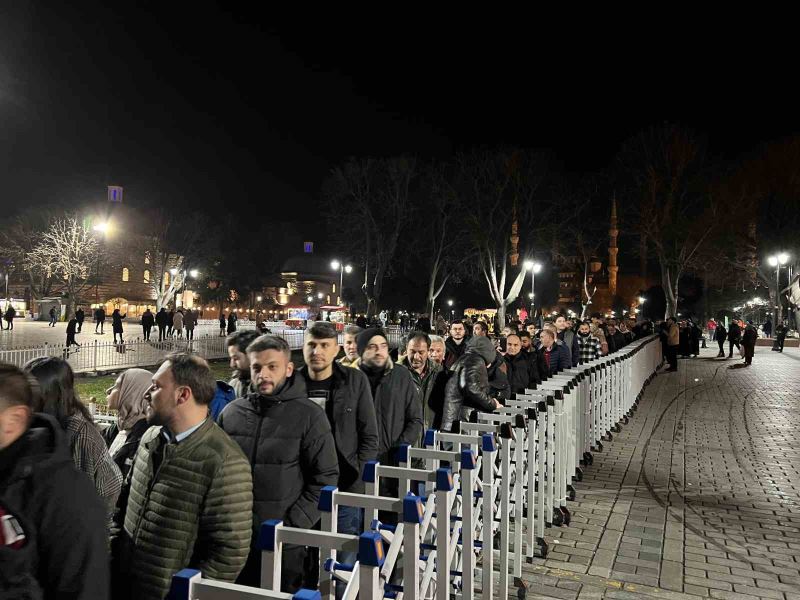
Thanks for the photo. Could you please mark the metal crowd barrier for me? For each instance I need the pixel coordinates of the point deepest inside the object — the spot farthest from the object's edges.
(463, 524)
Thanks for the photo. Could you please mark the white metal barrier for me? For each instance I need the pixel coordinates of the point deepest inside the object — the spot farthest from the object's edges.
(486, 493)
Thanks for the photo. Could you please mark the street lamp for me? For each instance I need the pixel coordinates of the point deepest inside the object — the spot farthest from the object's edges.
(534, 267)
(342, 268)
(103, 228)
(778, 261)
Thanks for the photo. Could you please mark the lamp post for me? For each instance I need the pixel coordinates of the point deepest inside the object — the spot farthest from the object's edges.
(342, 268)
(452, 310)
(778, 261)
(193, 273)
(534, 267)
(103, 229)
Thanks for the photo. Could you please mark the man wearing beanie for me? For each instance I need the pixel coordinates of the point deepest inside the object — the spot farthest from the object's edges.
(398, 407)
(468, 386)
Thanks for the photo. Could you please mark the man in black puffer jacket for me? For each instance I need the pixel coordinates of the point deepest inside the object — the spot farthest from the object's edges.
(43, 497)
(288, 440)
(468, 386)
(522, 367)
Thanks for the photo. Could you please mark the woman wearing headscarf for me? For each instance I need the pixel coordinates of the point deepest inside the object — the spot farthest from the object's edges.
(126, 396)
(58, 399)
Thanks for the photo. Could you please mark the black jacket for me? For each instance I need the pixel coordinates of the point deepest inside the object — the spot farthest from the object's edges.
(355, 429)
(291, 450)
(148, 320)
(453, 351)
(616, 341)
(162, 318)
(499, 386)
(720, 334)
(468, 387)
(80, 315)
(571, 342)
(734, 332)
(523, 371)
(398, 410)
(65, 522)
(72, 326)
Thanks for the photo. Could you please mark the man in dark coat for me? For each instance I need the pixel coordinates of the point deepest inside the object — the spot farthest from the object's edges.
(780, 336)
(768, 328)
(148, 320)
(567, 335)
(426, 374)
(615, 338)
(72, 326)
(80, 316)
(522, 370)
(58, 547)
(455, 345)
(163, 320)
(291, 449)
(343, 394)
(720, 335)
(397, 405)
(554, 355)
(468, 385)
(99, 319)
(232, 318)
(734, 337)
(9, 317)
(749, 342)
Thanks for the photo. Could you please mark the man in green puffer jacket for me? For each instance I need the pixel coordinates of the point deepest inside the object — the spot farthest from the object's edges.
(191, 494)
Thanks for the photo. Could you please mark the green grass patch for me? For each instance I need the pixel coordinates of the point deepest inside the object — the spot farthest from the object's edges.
(88, 387)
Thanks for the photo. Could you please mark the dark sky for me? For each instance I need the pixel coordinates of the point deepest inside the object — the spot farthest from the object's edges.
(231, 109)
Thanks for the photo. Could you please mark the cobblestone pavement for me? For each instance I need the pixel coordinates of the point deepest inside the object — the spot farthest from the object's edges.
(696, 497)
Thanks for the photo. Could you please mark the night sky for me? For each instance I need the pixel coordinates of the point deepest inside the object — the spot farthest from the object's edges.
(239, 110)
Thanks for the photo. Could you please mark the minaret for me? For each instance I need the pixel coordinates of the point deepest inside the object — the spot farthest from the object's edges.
(514, 239)
(612, 250)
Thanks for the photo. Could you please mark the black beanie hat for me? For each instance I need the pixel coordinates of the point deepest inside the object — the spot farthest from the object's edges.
(365, 336)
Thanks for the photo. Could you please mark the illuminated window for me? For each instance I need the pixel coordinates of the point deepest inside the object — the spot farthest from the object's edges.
(166, 278)
(147, 258)
(125, 274)
(146, 276)
(333, 290)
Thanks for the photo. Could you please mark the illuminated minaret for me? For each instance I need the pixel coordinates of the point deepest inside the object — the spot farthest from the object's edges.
(612, 251)
(514, 239)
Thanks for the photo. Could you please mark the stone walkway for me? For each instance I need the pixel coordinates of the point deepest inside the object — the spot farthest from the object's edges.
(696, 497)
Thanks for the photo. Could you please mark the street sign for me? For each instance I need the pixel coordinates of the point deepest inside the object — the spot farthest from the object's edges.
(115, 193)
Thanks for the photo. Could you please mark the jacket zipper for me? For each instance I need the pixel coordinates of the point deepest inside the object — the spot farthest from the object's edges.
(150, 487)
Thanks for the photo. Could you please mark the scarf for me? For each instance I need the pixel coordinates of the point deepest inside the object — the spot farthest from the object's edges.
(133, 383)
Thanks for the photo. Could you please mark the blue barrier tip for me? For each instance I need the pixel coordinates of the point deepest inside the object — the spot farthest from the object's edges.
(468, 460)
(179, 588)
(430, 435)
(370, 550)
(370, 471)
(266, 535)
(326, 498)
(444, 480)
(488, 443)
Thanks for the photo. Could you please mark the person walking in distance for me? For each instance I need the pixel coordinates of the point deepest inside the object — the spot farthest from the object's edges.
(162, 320)
(80, 316)
(148, 320)
(223, 324)
(232, 318)
(720, 335)
(734, 337)
(189, 321)
(99, 319)
(116, 324)
(9, 317)
(673, 341)
(177, 323)
(749, 342)
(780, 336)
(52, 317)
(72, 326)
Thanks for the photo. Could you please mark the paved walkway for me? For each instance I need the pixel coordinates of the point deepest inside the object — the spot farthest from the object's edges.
(698, 496)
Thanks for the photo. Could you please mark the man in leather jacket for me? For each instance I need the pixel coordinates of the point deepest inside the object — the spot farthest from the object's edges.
(468, 386)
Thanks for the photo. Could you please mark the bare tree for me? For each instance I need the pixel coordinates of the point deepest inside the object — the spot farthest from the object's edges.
(375, 195)
(17, 240)
(67, 251)
(499, 189)
(675, 209)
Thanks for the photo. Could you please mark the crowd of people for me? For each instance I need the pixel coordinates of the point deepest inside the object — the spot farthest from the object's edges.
(192, 465)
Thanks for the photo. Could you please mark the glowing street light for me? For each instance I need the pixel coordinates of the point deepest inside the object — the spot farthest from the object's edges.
(258, 298)
(534, 267)
(310, 298)
(194, 273)
(342, 268)
(642, 299)
(778, 261)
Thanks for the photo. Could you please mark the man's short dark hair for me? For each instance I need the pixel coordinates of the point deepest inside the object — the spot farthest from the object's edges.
(483, 326)
(193, 372)
(524, 334)
(16, 387)
(322, 330)
(270, 342)
(418, 335)
(241, 339)
(457, 323)
(352, 330)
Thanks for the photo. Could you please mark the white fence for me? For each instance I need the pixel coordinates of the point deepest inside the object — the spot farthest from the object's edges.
(111, 356)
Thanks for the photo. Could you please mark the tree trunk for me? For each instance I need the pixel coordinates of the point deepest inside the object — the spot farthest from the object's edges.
(501, 316)
(669, 292)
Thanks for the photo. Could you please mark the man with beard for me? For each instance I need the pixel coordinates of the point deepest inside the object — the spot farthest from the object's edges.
(237, 343)
(191, 491)
(291, 450)
(588, 345)
(424, 371)
(397, 405)
(343, 394)
(455, 344)
(567, 335)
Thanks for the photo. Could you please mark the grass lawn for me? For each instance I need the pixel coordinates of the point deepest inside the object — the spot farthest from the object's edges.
(96, 386)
